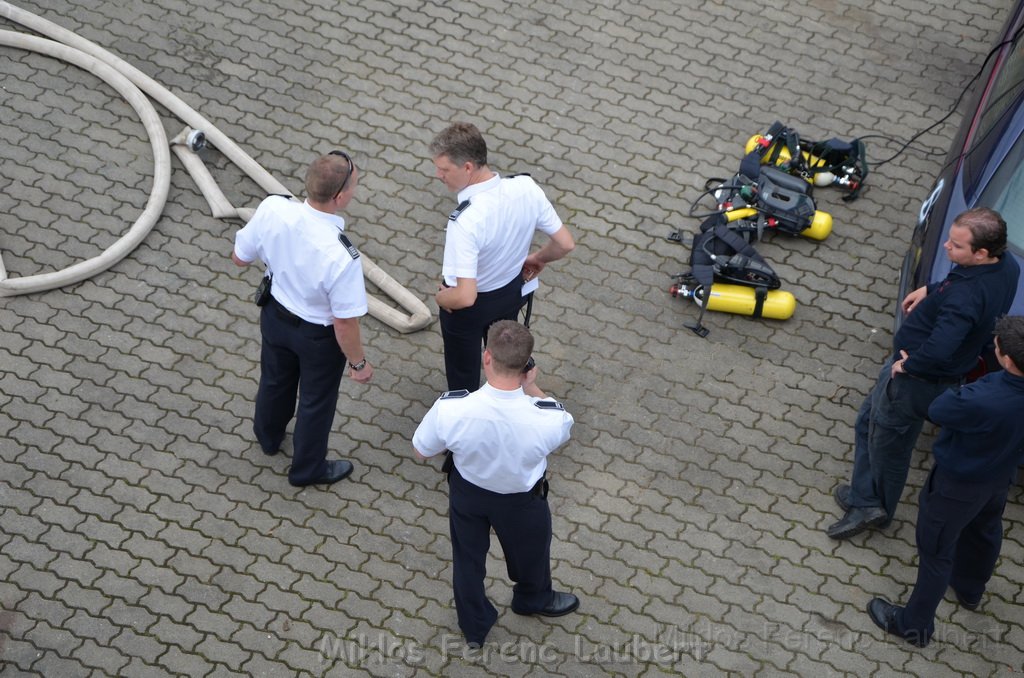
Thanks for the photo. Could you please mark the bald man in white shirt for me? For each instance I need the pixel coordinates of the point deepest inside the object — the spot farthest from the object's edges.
(310, 325)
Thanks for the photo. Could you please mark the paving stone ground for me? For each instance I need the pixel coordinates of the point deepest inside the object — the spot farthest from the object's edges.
(143, 533)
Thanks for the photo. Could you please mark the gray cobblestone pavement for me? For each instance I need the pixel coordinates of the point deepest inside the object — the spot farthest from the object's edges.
(143, 533)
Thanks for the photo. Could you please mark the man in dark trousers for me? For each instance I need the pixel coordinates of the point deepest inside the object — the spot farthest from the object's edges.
(959, 524)
(500, 437)
(487, 247)
(310, 324)
(947, 325)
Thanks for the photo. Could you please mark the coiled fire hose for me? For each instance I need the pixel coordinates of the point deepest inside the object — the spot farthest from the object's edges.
(134, 86)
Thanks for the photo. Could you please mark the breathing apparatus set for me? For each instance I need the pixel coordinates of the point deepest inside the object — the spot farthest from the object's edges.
(772, 191)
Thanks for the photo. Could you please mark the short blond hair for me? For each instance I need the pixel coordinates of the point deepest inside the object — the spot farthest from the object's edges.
(462, 142)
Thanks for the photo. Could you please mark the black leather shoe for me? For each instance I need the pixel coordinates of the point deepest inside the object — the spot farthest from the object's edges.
(560, 604)
(337, 469)
(271, 453)
(971, 605)
(842, 496)
(883, 614)
(856, 521)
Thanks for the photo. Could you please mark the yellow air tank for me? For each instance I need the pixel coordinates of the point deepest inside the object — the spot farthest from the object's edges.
(742, 300)
(821, 226)
(822, 178)
(755, 141)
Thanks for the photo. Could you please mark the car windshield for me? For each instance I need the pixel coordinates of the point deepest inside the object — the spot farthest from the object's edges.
(1005, 194)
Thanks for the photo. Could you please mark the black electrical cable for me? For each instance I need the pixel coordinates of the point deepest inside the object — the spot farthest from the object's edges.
(963, 92)
(722, 184)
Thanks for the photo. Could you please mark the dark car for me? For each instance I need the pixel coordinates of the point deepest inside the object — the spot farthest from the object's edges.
(985, 167)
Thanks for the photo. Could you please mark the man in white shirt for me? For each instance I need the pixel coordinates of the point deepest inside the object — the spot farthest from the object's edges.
(310, 326)
(487, 247)
(500, 437)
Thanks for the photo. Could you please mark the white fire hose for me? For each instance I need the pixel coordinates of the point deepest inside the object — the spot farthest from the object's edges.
(128, 81)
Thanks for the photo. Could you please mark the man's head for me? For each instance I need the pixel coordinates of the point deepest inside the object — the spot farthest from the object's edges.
(510, 346)
(458, 152)
(331, 179)
(976, 236)
(1010, 342)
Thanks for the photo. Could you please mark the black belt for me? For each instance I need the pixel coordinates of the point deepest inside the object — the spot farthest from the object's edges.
(292, 319)
(945, 381)
(284, 314)
(540, 488)
(517, 282)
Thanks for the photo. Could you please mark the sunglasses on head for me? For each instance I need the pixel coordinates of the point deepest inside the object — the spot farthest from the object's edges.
(351, 169)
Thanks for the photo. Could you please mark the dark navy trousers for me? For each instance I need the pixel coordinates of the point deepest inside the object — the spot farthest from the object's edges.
(886, 431)
(298, 359)
(522, 522)
(464, 331)
(959, 534)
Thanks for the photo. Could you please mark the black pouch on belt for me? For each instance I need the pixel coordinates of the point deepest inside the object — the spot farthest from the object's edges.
(262, 296)
(540, 489)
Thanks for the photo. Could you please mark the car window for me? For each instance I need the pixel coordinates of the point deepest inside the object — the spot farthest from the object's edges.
(1006, 90)
(1005, 194)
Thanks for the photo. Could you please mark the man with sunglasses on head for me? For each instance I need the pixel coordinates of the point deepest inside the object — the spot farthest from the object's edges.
(310, 324)
(487, 247)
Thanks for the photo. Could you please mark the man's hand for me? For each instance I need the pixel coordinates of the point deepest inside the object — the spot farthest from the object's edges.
(347, 334)
(362, 376)
(529, 383)
(532, 267)
(438, 298)
(913, 299)
(560, 244)
(897, 365)
(463, 295)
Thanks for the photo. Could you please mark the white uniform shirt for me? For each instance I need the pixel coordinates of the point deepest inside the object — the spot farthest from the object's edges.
(499, 440)
(316, 277)
(489, 240)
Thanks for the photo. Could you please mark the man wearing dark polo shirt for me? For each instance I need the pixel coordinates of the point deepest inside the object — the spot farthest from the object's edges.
(959, 524)
(947, 325)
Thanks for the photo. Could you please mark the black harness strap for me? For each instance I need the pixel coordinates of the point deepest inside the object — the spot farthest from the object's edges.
(750, 165)
(760, 294)
(720, 251)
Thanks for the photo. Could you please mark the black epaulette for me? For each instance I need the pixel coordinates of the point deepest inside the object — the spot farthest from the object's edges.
(352, 251)
(517, 174)
(549, 405)
(458, 210)
(461, 393)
